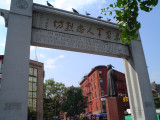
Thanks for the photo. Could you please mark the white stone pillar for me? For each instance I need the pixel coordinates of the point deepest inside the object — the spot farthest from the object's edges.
(14, 85)
(138, 84)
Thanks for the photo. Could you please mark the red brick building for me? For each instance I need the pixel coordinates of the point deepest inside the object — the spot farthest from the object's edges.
(94, 85)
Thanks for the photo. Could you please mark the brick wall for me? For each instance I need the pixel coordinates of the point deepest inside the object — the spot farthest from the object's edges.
(94, 85)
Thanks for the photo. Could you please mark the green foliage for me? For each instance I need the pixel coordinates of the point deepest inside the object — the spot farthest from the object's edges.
(54, 89)
(53, 92)
(156, 100)
(126, 14)
(74, 102)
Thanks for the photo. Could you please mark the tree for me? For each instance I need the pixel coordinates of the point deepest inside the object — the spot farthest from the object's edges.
(53, 92)
(74, 103)
(156, 100)
(126, 14)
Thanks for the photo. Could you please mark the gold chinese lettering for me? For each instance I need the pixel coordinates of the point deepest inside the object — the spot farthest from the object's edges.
(108, 35)
(89, 31)
(58, 24)
(46, 24)
(69, 26)
(99, 31)
(117, 36)
(80, 28)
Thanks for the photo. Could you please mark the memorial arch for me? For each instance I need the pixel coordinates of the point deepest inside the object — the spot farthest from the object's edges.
(34, 24)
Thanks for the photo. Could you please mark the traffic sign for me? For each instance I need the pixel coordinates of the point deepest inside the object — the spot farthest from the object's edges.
(125, 99)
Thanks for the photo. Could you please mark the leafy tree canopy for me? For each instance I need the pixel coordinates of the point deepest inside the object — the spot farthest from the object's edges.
(126, 15)
(74, 103)
(54, 89)
(53, 92)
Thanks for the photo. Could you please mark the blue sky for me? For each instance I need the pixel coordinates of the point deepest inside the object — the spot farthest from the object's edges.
(70, 67)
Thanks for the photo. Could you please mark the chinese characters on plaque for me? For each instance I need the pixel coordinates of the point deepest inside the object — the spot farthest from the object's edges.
(72, 34)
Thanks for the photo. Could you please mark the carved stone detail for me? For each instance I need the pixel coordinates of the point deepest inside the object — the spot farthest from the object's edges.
(22, 4)
(12, 106)
(77, 43)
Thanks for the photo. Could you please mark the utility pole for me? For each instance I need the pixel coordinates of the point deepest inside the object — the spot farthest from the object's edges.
(75, 93)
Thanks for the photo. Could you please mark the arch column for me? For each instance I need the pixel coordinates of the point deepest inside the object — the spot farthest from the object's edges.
(138, 84)
(14, 85)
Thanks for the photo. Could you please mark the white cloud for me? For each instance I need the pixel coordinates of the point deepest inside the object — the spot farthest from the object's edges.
(2, 44)
(32, 48)
(43, 2)
(50, 63)
(62, 4)
(42, 55)
(5, 4)
(44, 48)
(66, 4)
(69, 4)
(2, 21)
(61, 56)
(103, 1)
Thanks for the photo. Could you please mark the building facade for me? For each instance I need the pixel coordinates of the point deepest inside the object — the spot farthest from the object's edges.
(35, 89)
(94, 86)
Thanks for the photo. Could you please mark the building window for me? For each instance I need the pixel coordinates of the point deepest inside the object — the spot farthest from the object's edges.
(30, 71)
(103, 104)
(89, 89)
(95, 95)
(94, 85)
(93, 76)
(101, 82)
(32, 92)
(97, 105)
(33, 72)
(102, 92)
(100, 72)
